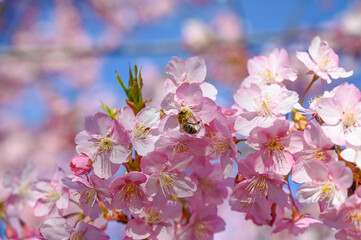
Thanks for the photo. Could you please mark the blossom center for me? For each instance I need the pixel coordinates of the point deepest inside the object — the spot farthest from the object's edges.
(90, 194)
(327, 191)
(53, 195)
(263, 105)
(203, 230)
(258, 187)
(180, 147)
(348, 119)
(274, 145)
(167, 181)
(76, 236)
(130, 191)
(106, 144)
(269, 77)
(315, 153)
(141, 131)
(354, 217)
(153, 216)
(219, 144)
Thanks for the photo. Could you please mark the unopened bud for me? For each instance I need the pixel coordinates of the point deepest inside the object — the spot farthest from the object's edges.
(81, 164)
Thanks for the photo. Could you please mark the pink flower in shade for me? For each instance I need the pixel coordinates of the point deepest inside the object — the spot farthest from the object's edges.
(211, 187)
(256, 192)
(262, 106)
(59, 229)
(175, 143)
(297, 225)
(203, 224)
(197, 110)
(128, 192)
(275, 146)
(341, 114)
(323, 61)
(346, 218)
(81, 165)
(165, 177)
(104, 141)
(21, 190)
(141, 129)
(54, 195)
(230, 116)
(190, 70)
(91, 193)
(315, 146)
(329, 186)
(221, 143)
(154, 222)
(268, 70)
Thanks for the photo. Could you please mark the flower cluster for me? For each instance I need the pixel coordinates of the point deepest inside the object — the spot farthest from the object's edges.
(178, 158)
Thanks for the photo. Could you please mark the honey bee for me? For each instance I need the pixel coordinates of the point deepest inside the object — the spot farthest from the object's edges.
(187, 122)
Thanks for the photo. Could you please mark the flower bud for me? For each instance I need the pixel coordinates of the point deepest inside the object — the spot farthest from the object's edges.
(81, 164)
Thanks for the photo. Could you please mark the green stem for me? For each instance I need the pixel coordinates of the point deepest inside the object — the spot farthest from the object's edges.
(315, 77)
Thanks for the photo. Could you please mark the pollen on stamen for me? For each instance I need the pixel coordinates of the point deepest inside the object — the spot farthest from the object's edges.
(89, 194)
(353, 217)
(140, 131)
(203, 229)
(153, 215)
(105, 144)
(327, 191)
(274, 145)
(258, 187)
(316, 153)
(348, 119)
(180, 147)
(269, 77)
(167, 181)
(130, 192)
(263, 105)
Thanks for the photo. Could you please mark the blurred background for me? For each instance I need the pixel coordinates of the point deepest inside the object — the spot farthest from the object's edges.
(58, 58)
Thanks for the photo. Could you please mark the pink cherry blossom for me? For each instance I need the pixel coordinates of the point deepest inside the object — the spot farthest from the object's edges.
(211, 187)
(323, 61)
(262, 106)
(203, 224)
(315, 146)
(221, 143)
(59, 229)
(54, 195)
(345, 218)
(104, 141)
(268, 70)
(256, 192)
(128, 192)
(154, 222)
(341, 114)
(91, 194)
(165, 177)
(175, 142)
(20, 185)
(190, 70)
(275, 146)
(329, 185)
(142, 128)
